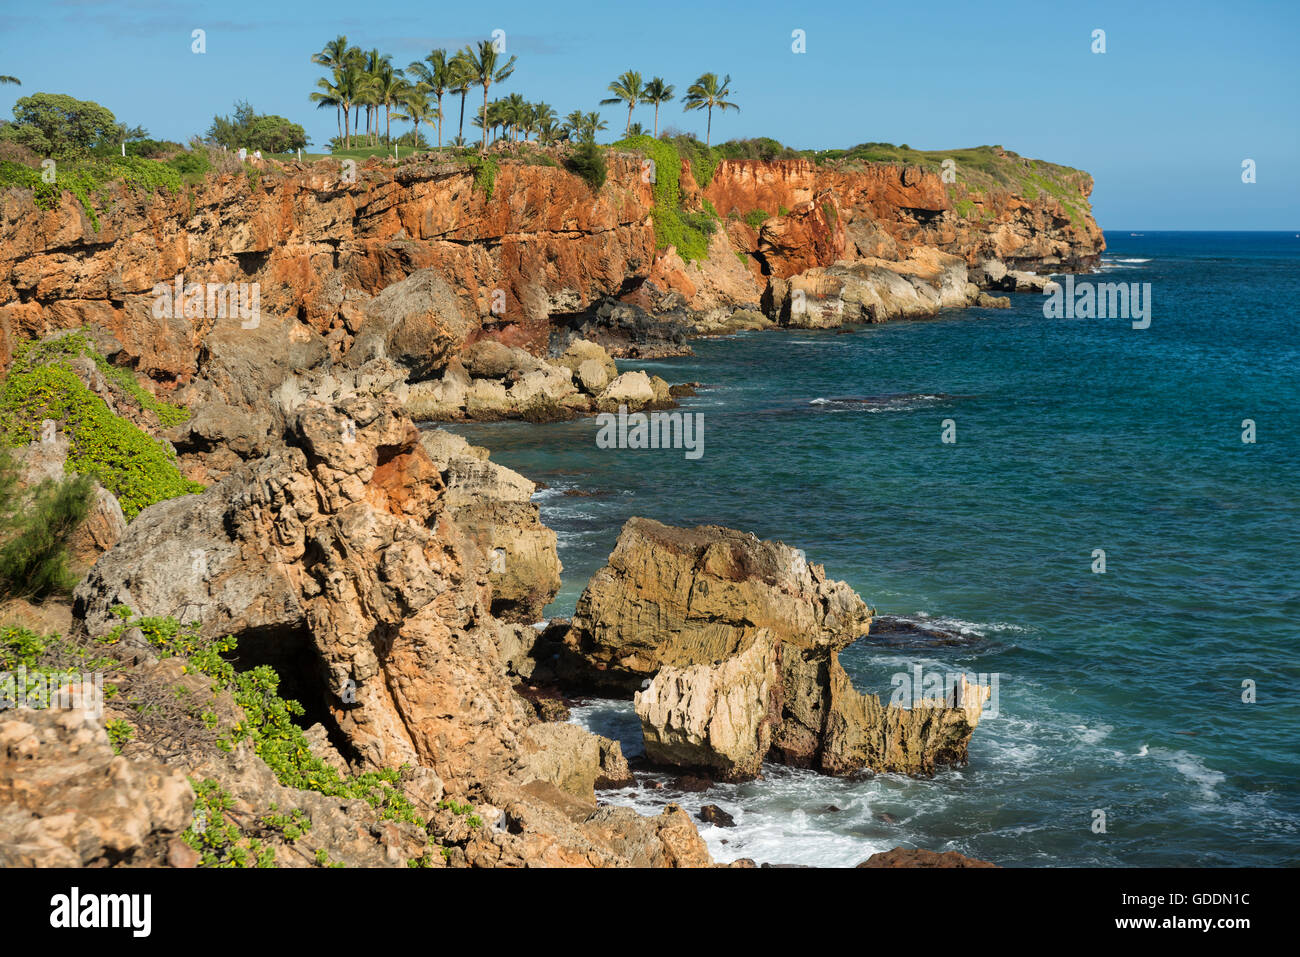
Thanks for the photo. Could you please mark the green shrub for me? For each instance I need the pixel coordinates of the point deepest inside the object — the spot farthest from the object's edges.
(755, 218)
(41, 384)
(673, 226)
(485, 175)
(33, 538)
(89, 179)
(588, 161)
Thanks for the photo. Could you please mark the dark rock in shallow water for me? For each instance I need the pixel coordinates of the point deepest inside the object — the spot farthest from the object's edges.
(895, 631)
(691, 783)
(886, 817)
(626, 330)
(683, 389)
(916, 857)
(829, 809)
(712, 814)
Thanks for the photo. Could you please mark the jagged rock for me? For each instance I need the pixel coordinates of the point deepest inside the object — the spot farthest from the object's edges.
(741, 638)
(988, 273)
(629, 330)
(715, 718)
(338, 546)
(684, 596)
(918, 857)
(66, 800)
(631, 389)
(593, 376)
(580, 351)
(1017, 280)
(440, 399)
(542, 826)
(493, 506)
(614, 769)
(712, 814)
(871, 290)
(488, 358)
(417, 322)
(571, 758)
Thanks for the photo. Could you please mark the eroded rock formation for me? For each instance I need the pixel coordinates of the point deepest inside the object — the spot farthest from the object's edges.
(739, 640)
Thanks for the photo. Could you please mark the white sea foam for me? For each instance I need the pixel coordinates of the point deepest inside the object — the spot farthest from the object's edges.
(1193, 768)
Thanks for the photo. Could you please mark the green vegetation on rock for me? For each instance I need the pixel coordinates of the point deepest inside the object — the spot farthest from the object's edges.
(42, 384)
(689, 232)
(89, 180)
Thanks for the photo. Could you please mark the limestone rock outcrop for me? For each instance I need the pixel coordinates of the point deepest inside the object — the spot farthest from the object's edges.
(739, 640)
(493, 506)
(338, 545)
(681, 596)
(66, 800)
(715, 718)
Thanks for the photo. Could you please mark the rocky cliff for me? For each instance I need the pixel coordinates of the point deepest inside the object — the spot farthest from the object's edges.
(306, 527)
(523, 247)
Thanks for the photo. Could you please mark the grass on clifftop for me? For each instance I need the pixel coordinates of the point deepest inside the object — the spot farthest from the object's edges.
(980, 170)
(89, 179)
(977, 171)
(139, 469)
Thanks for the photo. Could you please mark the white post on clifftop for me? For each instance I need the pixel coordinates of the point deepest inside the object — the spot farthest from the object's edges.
(124, 147)
(299, 154)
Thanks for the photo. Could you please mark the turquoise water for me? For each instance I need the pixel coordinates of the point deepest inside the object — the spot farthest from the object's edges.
(1119, 691)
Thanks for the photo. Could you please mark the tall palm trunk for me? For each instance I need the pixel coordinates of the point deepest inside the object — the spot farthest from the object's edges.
(656, 121)
(708, 130)
(629, 115)
(439, 121)
(485, 89)
(460, 132)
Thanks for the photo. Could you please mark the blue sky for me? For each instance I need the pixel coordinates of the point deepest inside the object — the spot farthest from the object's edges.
(1163, 119)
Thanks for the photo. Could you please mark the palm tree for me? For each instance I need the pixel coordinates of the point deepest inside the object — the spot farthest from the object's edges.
(628, 89)
(436, 73)
(591, 125)
(706, 93)
(390, 87)
(573, 124)
(332, 57)
(516, 110)
(656, 92)
(484, 70)
(417, 109)
(544, 122)
(327, 96)
(345, 92)
(459, 82)
(376, 63)
(548, 130)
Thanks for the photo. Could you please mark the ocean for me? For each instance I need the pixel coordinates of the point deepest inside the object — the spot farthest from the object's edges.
(1121, 736)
